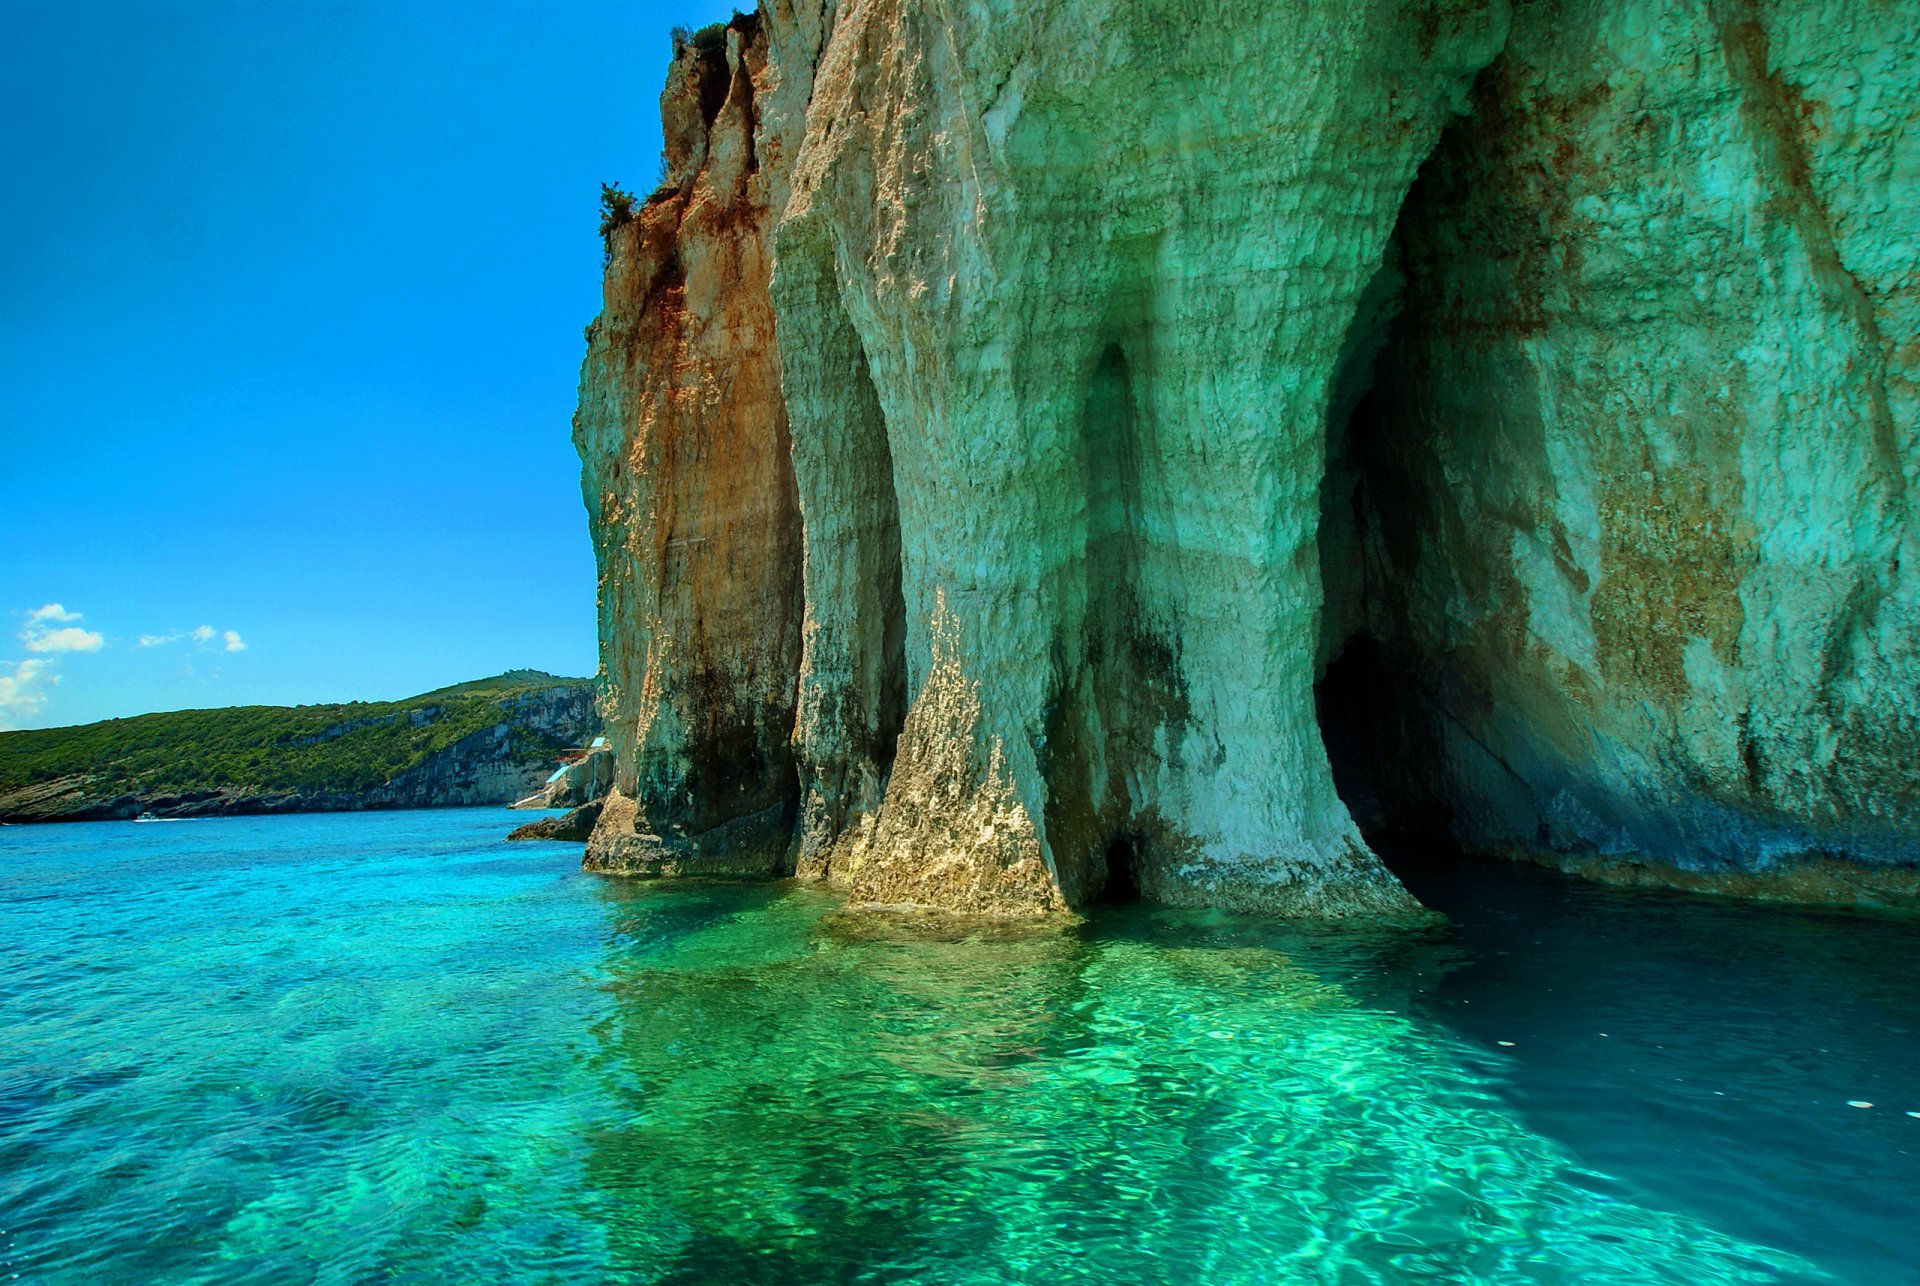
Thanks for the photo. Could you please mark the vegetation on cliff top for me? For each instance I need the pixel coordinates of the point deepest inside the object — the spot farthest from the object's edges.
(616, 208)
(275, 749)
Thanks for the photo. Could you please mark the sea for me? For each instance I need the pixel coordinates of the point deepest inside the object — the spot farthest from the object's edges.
(390, 1047)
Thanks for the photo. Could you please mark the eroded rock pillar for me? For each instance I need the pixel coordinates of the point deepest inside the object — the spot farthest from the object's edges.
(1101, 260)
(687, 473)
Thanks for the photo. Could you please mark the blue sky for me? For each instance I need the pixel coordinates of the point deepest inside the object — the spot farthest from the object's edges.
(291, 299)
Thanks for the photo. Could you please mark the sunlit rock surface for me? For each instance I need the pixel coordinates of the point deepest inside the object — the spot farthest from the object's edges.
(1005, 415)
(1635, 480)
(1086, 270)
(574, 824)
(689, 489)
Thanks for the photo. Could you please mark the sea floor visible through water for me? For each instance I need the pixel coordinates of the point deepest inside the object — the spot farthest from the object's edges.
(390, 1047)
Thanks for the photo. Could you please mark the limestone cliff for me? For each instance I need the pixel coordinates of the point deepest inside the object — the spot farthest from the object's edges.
(1635, 479)
(689, 488)
(1004, 414)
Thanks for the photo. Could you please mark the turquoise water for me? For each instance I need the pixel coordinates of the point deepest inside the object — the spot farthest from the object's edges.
(392, 1048)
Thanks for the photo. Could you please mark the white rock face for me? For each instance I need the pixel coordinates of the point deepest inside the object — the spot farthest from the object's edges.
(1637, 473)
(1100, 260)
(956, 444)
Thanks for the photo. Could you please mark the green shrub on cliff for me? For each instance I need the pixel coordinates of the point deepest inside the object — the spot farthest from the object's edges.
(616, 208)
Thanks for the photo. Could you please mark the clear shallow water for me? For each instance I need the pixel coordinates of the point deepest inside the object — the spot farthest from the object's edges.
(390, 1047)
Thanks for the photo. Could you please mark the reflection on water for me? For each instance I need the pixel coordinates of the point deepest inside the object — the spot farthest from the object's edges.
(357, 1047)
(1151, 1098)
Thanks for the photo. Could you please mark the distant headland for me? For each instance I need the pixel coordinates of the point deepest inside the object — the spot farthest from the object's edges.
(491, 741)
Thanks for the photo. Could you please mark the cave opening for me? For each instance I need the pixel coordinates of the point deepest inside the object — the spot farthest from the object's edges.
(1361, 706)
(1124, 856)
(1370, 697)
(868, 552)
(851, 685)
(891, 686)
(1101, 695)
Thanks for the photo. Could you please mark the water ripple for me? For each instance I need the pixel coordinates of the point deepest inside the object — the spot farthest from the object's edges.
(345, 1049)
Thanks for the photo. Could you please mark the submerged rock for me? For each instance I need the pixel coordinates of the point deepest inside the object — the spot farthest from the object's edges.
(1002, 417)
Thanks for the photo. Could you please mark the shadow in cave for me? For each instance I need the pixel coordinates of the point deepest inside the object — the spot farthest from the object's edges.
(1379, 516)
(1357, 705)
(1122, 884)
(1120, 675)
(1373, 715)
(1372, 721)
(842, 448)
(1677, 1043)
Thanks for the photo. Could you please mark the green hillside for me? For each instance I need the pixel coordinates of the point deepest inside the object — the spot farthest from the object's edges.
(302, 749)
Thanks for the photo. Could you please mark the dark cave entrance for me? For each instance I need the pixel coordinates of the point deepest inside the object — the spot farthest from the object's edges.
(1369, 721)
(1115, 675)
(1368, 696)
(887, 646)
(853, 559)
(1124, 857)
(1377, 511)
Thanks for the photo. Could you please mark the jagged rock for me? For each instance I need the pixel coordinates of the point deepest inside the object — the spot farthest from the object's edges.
(626, 843)
(689, 484)
(575, 824)
(582, 781)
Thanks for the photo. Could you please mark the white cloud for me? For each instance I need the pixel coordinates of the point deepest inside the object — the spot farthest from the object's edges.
(50, 630)
(69, 638)
(204, 637)
(39, 634)
(23, 687)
